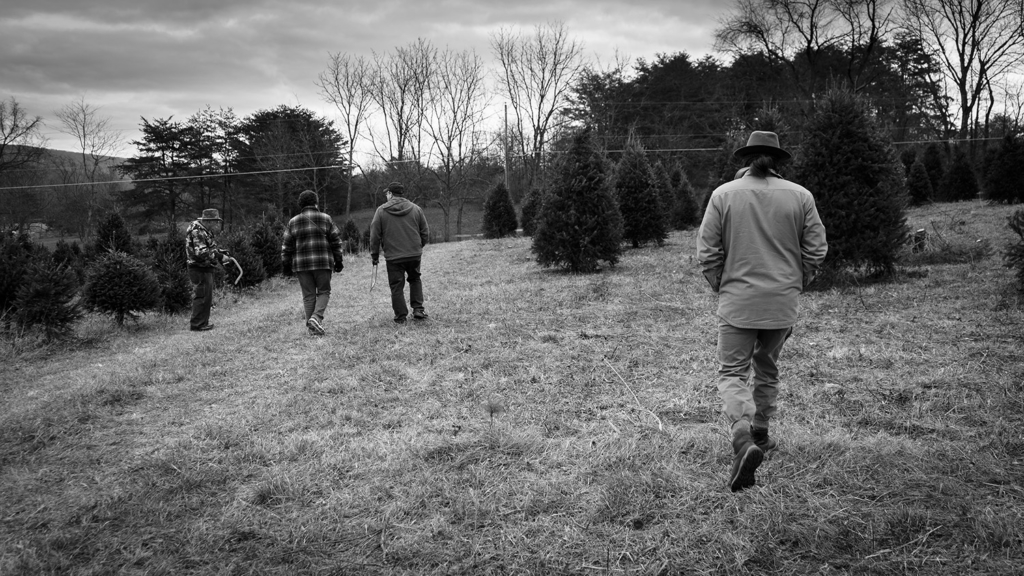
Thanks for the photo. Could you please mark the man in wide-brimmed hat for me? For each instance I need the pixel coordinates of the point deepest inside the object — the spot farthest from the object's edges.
(203, 257)
(760, 244)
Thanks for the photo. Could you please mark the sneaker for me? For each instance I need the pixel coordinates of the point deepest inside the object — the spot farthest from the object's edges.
(763, 441)
(202, 328)
(315, 327)
(420, 315)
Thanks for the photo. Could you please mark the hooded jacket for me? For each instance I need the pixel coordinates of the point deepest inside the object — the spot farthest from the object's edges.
(400, 228)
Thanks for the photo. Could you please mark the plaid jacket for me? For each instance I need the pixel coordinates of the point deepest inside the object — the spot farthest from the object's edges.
(200, 247)
(311, 241)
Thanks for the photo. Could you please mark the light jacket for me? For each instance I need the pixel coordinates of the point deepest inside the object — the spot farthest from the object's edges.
(400, 228)
(760, 244)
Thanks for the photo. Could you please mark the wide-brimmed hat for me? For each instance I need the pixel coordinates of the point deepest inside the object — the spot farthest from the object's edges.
(210, 214)
(762, 143)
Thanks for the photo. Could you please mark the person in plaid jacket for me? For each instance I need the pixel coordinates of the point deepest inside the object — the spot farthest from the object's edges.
(203, 257)
(312, 247)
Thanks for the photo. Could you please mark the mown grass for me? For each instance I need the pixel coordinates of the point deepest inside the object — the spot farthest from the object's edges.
(539, 423)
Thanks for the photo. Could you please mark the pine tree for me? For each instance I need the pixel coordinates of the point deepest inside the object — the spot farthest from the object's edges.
(167, 259)
(238, 245)
(1004, 179)
(112, 234)
(16, 256)
(265, 238)
(959, 184)
(919, 187)
(499, 213)
(119, 284)
(70, 254)
(580, 224)
(531, 211)
(848, 163)
(666, 194)
(934, 165)
(639, 202)
(687, 212)
(47, 298)
(908, 156)
(350, 236)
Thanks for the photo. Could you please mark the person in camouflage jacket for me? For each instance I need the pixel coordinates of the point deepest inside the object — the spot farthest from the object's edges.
(312, 247)
(203, 257)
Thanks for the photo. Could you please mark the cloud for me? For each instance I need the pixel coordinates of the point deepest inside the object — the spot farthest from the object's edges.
(157, 58)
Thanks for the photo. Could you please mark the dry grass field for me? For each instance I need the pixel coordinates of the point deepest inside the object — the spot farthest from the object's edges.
(539, 423)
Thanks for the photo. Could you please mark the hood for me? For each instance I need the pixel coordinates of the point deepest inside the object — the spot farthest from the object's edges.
(398, 206)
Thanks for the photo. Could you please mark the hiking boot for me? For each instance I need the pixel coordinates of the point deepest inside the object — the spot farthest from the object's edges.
(315, 327)
(400, 320)
(747, 458)
(760, 436)
(202, 328)
(419, 315)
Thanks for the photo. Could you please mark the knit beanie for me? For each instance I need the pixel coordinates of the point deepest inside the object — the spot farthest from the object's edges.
(308, 198)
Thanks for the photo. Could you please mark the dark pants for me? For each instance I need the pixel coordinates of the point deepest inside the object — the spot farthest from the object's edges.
(316, 291)
(202, 296)
(397, 272)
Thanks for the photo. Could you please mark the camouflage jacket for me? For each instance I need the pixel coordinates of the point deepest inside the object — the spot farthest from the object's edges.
(200, 247)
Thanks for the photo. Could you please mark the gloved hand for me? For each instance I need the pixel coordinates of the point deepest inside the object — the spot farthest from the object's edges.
(373, 257)
(339, 265)
(286, 269)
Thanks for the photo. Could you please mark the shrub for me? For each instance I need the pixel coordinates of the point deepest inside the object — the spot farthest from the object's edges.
(1014, 257)
(350, 235)
(919, 187)
(666, 194)
(499, 213)
(112, 234)
(687, 213)
(579, 223)
(908, 156)
(531, 211)
(169, 263)
(70, 255)
(639, 202)
(48, 298)
(849, 165)
(1004, 180)
(119, 284)
(933, 163)
(238, 246)
(959, 183)
(265, 238)
(16, 256)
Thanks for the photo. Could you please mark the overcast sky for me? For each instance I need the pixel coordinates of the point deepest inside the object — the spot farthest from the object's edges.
(158, 58)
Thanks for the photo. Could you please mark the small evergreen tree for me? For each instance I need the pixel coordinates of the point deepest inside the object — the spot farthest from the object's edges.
(579, 223)
(265, 238)
(112, 234)
(48, 298)
(119, 284)
(687, 213)
(934, 165)
(639, 201)
(1014, 257)
(531, 211)
(499, 213)
(919, 187)
(908, 156)
(1004, 179)
(16, 256)
(350, 236)
(959, 184)
(168, 261)
(666, 194)
(848, 163)
(238, 246)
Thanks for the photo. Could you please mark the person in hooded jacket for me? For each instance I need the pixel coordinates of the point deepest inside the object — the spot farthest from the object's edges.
(400, 228)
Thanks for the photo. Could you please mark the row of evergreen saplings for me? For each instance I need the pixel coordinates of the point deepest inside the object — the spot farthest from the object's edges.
(118, 275)
(846, 159)
(933, 178)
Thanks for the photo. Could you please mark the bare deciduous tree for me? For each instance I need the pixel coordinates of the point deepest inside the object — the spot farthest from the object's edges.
(345, 84)
(536, 74)
(978, 43)
(399, 89)
(453, 112)
(21, 139)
